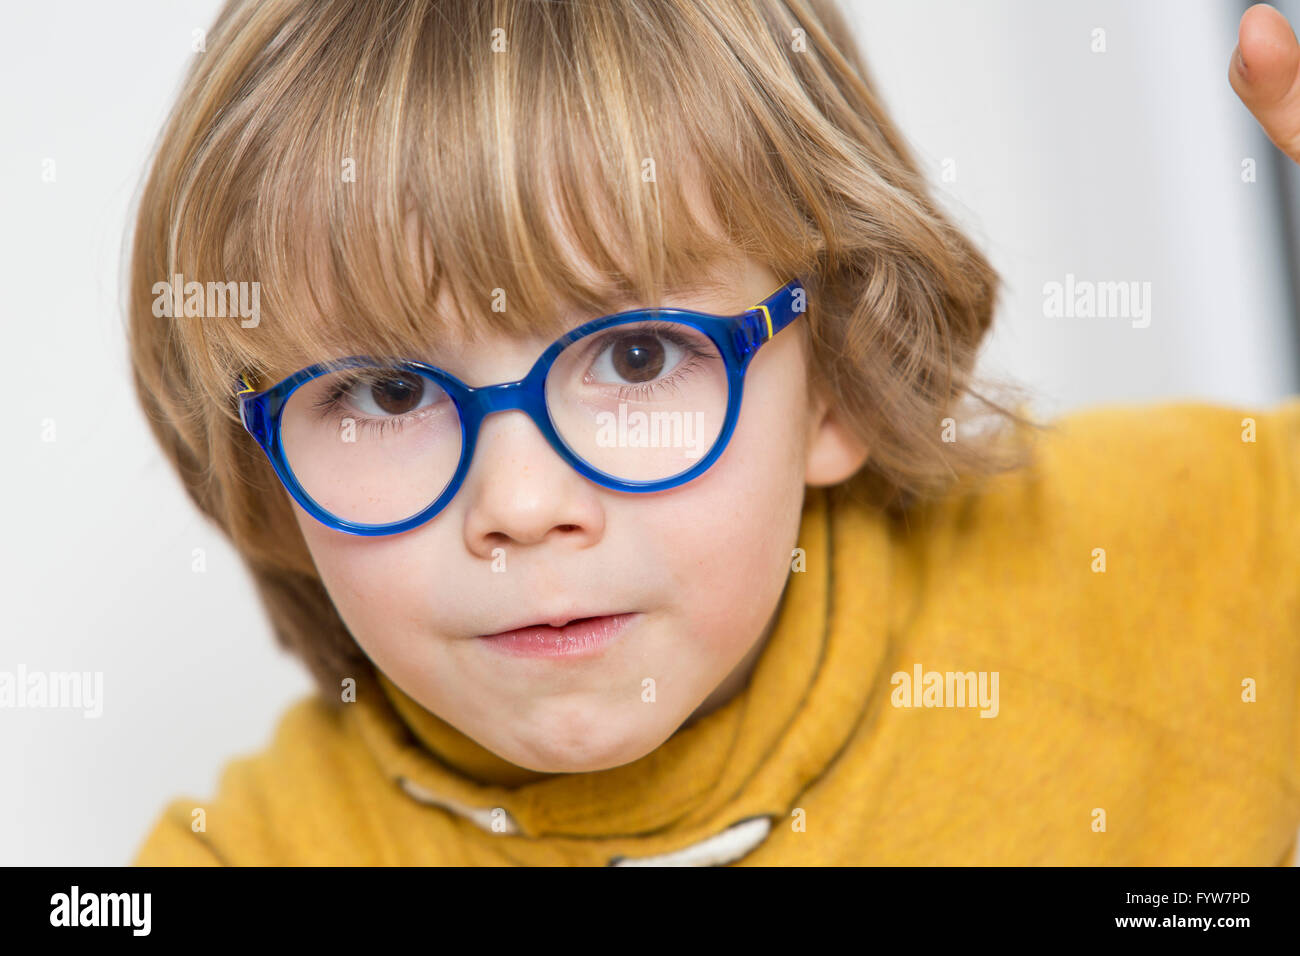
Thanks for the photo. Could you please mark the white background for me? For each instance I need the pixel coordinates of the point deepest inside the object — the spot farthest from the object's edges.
(1122, 166)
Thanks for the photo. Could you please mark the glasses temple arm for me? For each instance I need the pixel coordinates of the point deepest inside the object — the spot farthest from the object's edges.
(769, 317)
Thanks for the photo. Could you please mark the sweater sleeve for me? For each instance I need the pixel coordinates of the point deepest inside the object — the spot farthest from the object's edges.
(1265, 497)
(1278, 467)
(271, 806)
(173, 842)
(1168, 534)
(1206, 500)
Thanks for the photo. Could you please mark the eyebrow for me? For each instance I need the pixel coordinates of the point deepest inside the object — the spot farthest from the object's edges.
(707, 284)
(703, 284)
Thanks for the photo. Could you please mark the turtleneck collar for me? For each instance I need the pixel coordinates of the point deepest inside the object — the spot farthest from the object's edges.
(703, 793)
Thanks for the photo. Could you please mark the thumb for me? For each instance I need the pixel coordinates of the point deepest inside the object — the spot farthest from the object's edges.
(1265, 74)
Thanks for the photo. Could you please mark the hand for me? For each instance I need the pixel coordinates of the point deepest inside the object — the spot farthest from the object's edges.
(1265, 73)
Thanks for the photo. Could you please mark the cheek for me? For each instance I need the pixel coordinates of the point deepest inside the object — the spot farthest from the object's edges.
(373, 582)
(727, 536)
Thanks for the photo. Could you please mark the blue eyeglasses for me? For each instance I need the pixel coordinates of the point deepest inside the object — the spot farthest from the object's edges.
(639, 401)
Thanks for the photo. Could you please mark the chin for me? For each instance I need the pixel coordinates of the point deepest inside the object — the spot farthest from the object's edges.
(585, 746)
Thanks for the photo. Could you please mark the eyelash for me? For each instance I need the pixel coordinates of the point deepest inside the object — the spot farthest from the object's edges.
(668, 331)
(329, 405)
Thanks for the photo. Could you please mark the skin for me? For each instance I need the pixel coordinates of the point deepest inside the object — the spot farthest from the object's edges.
(703, 564)
(1264, 71)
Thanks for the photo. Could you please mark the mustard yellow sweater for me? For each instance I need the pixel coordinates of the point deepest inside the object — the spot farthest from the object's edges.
(1095, 660)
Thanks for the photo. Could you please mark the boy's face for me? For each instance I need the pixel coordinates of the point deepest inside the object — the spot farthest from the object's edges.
(699, 568)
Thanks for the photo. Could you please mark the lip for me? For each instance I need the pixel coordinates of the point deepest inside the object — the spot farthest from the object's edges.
(579, 638)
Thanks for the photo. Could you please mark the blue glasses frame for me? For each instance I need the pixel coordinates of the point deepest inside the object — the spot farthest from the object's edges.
(737, 337)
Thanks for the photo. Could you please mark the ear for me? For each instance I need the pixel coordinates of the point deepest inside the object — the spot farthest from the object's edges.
(834, 452)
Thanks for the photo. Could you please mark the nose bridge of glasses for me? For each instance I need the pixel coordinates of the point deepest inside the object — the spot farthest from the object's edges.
(502, 398)
(526, 395)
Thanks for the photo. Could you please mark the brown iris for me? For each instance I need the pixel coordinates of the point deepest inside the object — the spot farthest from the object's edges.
(397, 392)
(638, 357)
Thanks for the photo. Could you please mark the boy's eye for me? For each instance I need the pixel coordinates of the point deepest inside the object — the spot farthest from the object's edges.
(391, 393)
(634, 358)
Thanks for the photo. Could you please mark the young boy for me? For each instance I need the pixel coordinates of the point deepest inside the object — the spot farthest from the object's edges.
(606, 445)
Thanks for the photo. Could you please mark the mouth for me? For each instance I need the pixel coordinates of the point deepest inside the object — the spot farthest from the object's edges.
(577, 637)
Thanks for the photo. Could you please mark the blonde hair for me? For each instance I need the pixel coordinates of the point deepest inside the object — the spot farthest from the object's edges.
(361, 158)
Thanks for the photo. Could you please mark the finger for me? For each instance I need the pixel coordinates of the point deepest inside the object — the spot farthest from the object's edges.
(1265, 73)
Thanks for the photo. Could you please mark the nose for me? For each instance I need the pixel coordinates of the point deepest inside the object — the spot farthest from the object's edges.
(519, 491)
